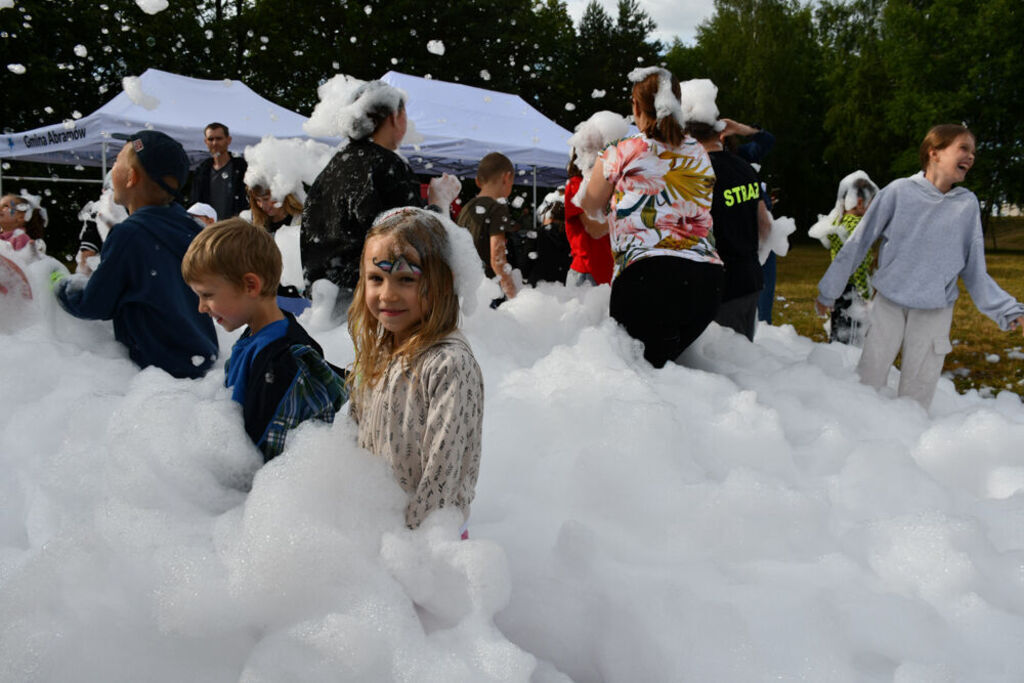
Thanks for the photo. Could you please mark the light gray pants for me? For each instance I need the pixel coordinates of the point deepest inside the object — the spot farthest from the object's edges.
(923, 337)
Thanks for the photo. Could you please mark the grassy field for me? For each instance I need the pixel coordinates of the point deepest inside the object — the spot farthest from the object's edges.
(976, 339)
(1005, 233)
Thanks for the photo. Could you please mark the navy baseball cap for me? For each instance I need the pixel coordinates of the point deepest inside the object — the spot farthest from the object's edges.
(160, 155)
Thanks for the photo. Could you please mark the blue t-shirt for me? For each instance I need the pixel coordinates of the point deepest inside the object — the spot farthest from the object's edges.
(245, 350)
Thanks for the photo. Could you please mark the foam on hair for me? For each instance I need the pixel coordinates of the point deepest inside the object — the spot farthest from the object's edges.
(593, 135)
(656, 94)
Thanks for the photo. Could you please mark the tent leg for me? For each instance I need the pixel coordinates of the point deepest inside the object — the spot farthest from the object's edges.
(534, 198)
(103, 165)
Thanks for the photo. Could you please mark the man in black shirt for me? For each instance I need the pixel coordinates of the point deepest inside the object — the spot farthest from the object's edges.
(220, 180)
(740, 220)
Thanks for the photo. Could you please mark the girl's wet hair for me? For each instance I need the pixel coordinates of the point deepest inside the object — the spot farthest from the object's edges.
(940, 137)
(864, 189)
(572, 169)
(666, 130)
(291, 204)
(422, 232)
(380, 110)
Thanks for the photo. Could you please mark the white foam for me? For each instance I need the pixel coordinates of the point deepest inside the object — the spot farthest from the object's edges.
(754, 513)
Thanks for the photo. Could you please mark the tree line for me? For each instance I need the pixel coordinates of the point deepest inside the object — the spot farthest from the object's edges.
(843, 85)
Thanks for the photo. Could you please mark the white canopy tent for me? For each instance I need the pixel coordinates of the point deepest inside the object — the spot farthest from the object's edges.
(177, 105)
(460, 124)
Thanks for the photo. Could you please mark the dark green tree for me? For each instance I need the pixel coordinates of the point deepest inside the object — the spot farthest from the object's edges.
(765, 60)
(858, 84)
(952, 61)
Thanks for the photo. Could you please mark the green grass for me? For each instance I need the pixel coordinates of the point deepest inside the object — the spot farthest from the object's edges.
(1005, 233)
(975, 337)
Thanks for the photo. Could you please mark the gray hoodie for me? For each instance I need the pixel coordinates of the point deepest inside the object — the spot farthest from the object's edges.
(929, 239)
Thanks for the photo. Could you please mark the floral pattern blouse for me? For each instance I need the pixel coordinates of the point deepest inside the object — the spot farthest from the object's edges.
(662, 200)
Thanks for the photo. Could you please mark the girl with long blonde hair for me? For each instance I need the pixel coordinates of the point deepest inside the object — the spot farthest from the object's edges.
(416, 389)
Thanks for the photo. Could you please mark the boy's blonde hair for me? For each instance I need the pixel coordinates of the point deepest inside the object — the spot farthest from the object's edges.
(493, 166)
(230, 249)
(421, 231)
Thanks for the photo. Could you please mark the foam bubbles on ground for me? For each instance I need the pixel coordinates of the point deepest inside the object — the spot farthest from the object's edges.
(752, 514)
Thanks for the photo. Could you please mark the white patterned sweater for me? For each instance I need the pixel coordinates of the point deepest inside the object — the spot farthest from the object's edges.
(427, 423)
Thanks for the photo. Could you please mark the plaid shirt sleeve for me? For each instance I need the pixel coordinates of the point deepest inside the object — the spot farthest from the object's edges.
(315, 392)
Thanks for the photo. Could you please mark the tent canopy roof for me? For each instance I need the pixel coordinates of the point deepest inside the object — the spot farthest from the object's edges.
(181, 107)
(459, 124)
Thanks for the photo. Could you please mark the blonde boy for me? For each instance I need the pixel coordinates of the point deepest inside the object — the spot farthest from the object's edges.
(487, 218)
(138, 282)
(276, 370)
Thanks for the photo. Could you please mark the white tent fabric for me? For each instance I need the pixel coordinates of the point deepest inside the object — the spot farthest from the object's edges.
(181, 107)
(460, 124)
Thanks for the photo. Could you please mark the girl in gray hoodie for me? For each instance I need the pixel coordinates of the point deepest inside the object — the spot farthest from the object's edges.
(930, 236)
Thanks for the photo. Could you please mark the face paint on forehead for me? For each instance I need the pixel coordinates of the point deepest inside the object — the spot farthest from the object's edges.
(399, 264)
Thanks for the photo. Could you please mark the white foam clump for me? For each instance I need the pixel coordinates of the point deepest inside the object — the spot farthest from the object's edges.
(152, 6)
(133, 89)
(551, 199)
(698, 97)
(752, 514)
(435, 47)
(283, 165)
(778, 238)
(18, 69)
(594, 134)
(665, 102)
(465, 263)
(846, 199)
(6, 4)
(104, 211)
(344, 105)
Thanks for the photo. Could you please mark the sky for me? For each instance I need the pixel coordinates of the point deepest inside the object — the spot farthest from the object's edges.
(673, 17)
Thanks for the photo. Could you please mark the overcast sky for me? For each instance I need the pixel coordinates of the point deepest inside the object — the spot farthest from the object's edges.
(674, 17)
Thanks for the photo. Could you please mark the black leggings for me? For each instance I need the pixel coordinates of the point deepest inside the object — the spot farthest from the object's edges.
(666, 302)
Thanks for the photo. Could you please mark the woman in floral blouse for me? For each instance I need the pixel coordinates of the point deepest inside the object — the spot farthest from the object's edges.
(668, 275)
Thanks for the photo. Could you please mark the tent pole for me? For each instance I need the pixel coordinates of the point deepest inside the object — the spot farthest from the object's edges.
(534, 197)
(104, 160)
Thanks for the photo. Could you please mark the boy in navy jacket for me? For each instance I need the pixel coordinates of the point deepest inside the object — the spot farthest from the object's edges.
(276, 370)
(138, 283)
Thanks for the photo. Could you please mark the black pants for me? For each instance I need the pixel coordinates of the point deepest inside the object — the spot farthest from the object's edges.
(844, 328)
(666, 302)
(740, 314)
